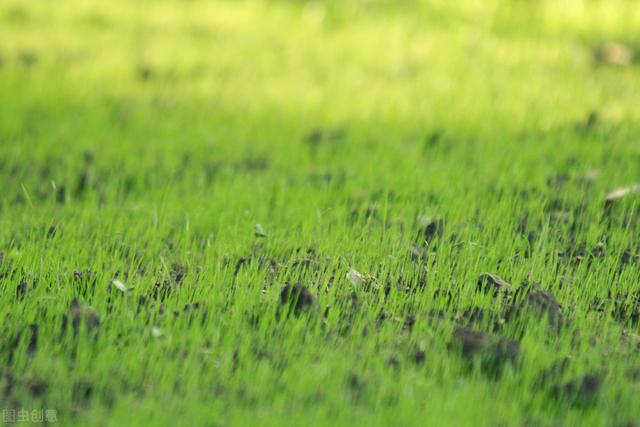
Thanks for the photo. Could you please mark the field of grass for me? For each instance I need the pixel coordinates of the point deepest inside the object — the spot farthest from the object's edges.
(320, 213)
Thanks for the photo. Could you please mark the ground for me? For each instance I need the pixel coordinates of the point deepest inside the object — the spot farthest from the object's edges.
(320, 213)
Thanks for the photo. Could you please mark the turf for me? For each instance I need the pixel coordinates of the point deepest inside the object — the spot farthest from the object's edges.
(279, 212)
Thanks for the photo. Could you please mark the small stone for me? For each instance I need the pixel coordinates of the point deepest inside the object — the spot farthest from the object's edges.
(259, 231)
(119, 285)
(620, 193)
(355, 277)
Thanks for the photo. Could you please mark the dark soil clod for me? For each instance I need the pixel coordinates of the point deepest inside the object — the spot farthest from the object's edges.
(538, 304)
(298, 297)
(478, 317)
(61, 194)
(79, 314)
(52, 231)
(418, 253)
(177, 273)
(301, 263)
(314, 137)
(494, 350)
(430, 231)
(317, 136)
(85, 282)
(356, 384)
(419, 356)
(161, 290)
(626, 307)
(194, 310)
(394, 362)
(82, 391)
(263, 263)
(557, 181)
(408, 323)
(33, 341)
(553, 372)
(37, 387)
(21, 289)
(579, 391)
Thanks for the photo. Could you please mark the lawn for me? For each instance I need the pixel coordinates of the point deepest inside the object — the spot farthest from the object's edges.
(357, 213)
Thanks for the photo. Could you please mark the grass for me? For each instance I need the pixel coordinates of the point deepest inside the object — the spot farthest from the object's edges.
(143, 142)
